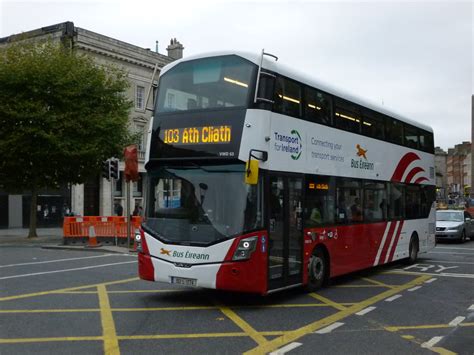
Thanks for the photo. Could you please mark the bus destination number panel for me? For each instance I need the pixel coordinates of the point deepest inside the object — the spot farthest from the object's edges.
(216, 135)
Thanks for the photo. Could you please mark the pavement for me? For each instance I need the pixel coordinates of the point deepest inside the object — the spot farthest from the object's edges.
(51, 238)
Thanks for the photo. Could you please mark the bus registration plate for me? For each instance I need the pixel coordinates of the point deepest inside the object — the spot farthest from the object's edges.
(183, 281)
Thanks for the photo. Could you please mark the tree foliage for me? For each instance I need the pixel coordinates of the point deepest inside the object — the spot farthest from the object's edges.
(61, 115)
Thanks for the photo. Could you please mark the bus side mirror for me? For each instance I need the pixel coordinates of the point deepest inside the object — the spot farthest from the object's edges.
(251, 172)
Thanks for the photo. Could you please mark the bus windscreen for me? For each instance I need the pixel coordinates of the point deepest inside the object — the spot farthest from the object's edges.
(216, 82)
(194, 205)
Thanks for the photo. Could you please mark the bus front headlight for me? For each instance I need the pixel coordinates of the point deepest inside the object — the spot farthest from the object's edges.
(245, 248)
(138, 241)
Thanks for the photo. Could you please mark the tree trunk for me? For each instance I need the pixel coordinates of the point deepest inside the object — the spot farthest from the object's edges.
(34, 198)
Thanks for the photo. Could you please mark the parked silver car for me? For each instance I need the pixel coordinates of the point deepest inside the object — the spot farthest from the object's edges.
(454, 225)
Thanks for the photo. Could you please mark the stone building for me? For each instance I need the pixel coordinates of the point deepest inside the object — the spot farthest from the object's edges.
(95, 197)
(472, 147)
(458, 169)
(441, 173)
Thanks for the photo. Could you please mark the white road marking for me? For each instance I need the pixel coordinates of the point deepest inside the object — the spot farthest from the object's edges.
(447, 252)
(431, 280)
(60, 260)
(393, 298)
(471, 308)
(66, 270)
(456, 321)
(449, 248)
(414, 288)
(329, 328)
(286, 348)
(454, 262)
(445, 274)
(365, 311)
(431, 343)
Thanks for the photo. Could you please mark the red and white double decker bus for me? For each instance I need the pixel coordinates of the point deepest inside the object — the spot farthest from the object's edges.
(341, 185)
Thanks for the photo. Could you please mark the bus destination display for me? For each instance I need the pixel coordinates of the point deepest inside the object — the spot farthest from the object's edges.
(197, 135)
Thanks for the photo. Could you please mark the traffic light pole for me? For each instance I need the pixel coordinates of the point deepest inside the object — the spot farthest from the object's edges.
(112, 194)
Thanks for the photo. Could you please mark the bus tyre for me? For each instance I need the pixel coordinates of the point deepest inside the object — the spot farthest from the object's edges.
(317, 271)
(413, 250)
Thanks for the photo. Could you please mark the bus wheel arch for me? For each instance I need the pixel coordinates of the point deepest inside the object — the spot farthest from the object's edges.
(318, 268)
(413, 249)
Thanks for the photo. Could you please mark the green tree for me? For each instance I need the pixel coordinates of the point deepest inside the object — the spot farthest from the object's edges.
(61, 116)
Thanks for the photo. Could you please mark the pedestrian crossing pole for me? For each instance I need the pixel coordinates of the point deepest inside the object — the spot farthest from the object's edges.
(131, 174)
(128, 214)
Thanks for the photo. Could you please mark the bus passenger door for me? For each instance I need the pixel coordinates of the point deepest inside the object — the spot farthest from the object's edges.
(285, 250)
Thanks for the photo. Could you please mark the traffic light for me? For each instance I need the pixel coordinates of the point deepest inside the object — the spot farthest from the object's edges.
(114, 170)
(106, 169)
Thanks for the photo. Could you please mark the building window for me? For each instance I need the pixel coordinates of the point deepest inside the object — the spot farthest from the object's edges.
(140, 98)
(140, 129)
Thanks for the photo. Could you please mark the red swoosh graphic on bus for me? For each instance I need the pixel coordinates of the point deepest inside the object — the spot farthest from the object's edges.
(420, 180)
(403, 165)
(385, 247)
(412, 173)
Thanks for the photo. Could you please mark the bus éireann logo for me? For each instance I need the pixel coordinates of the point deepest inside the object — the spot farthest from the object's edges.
(361, 152)
(165, 252)
(362, 162)
(291, 143)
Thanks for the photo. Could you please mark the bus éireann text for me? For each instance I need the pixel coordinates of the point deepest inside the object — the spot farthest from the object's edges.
(339, 184)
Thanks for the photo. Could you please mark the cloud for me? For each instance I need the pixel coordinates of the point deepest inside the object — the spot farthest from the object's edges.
(414, 57)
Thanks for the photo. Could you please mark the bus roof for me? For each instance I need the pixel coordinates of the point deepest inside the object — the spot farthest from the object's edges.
(285, 70)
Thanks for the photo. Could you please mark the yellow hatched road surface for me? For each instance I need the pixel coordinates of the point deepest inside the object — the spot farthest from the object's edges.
(110, 338)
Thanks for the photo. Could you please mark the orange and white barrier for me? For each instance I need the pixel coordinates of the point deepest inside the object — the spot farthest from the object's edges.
(107, 229)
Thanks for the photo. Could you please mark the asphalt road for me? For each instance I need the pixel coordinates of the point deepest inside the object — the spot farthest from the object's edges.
(59, 301)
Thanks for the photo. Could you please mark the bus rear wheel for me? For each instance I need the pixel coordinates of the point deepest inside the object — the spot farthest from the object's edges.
(413, 250)
(317, 271)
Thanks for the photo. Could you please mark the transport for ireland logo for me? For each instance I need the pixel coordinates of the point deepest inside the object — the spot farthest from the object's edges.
(291, 143)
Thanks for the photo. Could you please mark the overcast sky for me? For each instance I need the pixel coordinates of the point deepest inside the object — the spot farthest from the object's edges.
(414, 58)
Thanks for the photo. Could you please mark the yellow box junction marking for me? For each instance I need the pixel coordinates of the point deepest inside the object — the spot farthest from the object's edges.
(328, 302)
(26, 295)
(111, 345)
(378, 283)
(251, 332)
(110, 337)
(291, 336)
(46, 340)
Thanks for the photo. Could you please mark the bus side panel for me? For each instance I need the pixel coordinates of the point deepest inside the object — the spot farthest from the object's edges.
(361, 246)
(352, 247)
(245, 276)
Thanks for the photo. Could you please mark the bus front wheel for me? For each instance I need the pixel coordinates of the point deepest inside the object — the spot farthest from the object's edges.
(317, 270)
